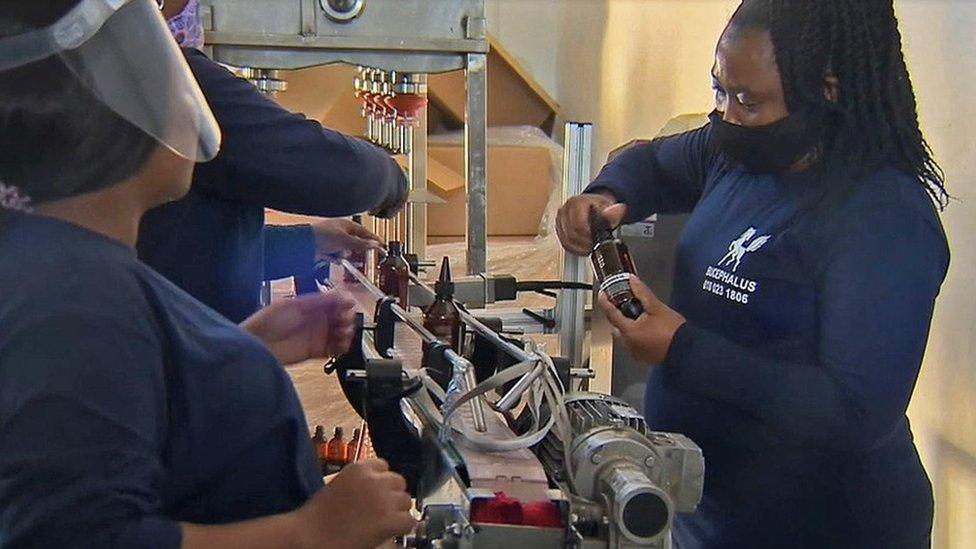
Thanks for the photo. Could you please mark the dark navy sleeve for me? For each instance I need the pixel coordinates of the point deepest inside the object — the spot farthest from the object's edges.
(879, 274)
(82, 419)
(274, 158)
(666, 175)
(289, 250)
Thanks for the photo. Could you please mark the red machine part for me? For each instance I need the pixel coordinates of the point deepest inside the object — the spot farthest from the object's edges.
(502, 509)
(378, 103)
(407, 106)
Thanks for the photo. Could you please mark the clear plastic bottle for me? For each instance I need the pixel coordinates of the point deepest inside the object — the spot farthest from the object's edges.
(613, 267)
(442, 318)
(393, 274)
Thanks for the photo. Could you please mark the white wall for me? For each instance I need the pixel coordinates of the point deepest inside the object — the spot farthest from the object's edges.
(941, 50)
(630, 65)
(625, 65)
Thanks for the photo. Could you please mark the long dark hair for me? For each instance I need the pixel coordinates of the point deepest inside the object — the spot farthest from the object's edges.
(875, 120)
(56, 139)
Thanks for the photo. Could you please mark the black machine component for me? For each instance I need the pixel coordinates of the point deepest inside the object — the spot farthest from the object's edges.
(386, 320)
(374, 388)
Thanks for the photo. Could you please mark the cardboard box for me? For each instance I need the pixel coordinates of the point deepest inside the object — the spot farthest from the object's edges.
(325, 93)
(518, 177)
(514, 97)
(518, 190)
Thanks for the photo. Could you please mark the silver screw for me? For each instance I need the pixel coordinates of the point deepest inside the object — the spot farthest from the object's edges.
(649, 461)
(597, 458)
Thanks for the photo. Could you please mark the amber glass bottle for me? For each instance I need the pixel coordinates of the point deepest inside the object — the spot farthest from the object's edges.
(443, 318)
(352, 446)
(393, 274)
(319, 443)
(613, 266)
(335, 452)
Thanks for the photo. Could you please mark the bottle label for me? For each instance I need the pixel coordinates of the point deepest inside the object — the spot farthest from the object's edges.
(616, 284)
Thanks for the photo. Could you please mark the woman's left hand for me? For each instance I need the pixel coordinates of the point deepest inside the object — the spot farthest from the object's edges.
(649, 337)
(313, 326)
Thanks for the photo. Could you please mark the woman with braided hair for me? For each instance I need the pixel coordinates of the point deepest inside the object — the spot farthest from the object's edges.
(805, 280)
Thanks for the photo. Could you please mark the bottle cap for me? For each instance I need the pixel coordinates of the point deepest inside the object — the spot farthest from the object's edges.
(600, 228)
(358, 219)
(394, 248)
(338, 432)
(444, 287)
(319, 431)
(355, 432)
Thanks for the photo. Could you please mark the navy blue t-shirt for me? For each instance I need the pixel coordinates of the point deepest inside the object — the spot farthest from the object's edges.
(809, 299)
(126, 406)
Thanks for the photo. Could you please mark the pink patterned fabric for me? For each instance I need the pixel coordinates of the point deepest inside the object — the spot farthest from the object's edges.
(186, 27)
(12, 199)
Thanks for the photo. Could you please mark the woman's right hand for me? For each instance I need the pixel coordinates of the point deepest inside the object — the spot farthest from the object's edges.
(573, 221)
(313, 326)
(363, 507)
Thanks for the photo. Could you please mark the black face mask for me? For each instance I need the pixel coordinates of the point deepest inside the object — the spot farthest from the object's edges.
(773, 148)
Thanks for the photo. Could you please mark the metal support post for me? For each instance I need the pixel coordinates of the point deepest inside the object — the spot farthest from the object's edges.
(476, 160)
(417, 212)
(577, 156)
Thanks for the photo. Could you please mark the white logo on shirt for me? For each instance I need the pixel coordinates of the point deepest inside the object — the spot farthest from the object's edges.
(721, 281)
(741, 246)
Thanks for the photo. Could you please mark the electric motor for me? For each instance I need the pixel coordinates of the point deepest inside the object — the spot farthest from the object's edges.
(638, 477)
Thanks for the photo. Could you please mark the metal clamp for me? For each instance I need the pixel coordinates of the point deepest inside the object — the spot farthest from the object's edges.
(385, 320)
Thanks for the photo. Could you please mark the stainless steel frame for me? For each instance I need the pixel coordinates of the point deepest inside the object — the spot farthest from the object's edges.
(577, 156)
(407, 36)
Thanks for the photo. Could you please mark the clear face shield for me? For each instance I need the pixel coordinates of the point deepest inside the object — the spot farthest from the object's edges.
(122, 51)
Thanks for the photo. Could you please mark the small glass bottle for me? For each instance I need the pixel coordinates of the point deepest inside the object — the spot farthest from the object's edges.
(613, 266)
(319, 443)
(335, 452)
(358, 258)
(393, 275)
(352, 446)
(442, 318)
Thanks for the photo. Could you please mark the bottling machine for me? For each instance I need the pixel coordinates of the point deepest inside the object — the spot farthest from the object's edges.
(396, 44)
(501, 443)
(496, 449)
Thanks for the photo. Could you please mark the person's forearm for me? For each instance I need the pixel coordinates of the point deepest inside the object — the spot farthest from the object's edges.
(274, 158)
(276, 531)
(662, 176)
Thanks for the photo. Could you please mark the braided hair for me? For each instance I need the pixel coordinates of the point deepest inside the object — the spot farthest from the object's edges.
(874, 120)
